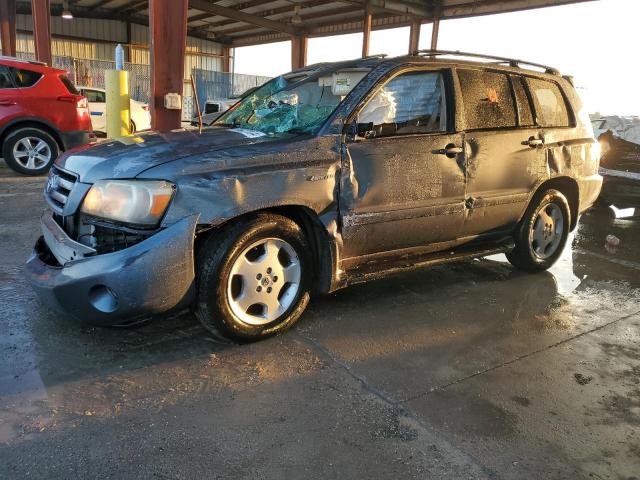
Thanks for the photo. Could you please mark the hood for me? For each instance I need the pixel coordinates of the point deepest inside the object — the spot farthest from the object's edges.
(127, 157)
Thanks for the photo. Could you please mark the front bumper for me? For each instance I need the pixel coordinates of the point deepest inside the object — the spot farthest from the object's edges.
(151, 277)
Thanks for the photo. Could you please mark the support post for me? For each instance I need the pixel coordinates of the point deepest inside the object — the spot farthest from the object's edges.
(414, 37)
(226, 59)
(434, 33)
(366, 31)
(118, 114)
(298, 51)
(168, 25)
(41, 12)
(8, 27)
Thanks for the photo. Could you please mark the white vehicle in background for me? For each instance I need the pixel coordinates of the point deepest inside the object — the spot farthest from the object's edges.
(140, 115)
(212, 109)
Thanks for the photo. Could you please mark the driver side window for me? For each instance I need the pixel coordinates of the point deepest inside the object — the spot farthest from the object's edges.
(411, 103)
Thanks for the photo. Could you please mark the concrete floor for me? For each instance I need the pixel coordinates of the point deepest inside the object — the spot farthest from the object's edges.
(471, 370)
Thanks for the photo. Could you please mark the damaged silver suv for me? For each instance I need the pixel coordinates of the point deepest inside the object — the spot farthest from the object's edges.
(333, 174)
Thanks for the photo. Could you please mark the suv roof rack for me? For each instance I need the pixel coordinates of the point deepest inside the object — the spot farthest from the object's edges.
(513, 62)
(22, 60)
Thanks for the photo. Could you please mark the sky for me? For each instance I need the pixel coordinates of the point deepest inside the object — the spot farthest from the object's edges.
(597, 42)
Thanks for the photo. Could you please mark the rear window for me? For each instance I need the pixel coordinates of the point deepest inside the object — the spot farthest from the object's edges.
(25, 78)
(71, 88)
(95, 96)
(211, 108)
(551, 108)
(488, 101)
(5, 78)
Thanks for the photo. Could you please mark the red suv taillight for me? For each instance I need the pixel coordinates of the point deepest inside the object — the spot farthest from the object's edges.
(79, 100)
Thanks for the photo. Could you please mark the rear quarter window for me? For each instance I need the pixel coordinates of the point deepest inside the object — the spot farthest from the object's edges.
(68, 84)
(5, 78)
(488, 101)
(25, 78)
(550, 105)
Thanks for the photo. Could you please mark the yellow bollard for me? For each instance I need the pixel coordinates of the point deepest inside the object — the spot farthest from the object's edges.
(118, 103)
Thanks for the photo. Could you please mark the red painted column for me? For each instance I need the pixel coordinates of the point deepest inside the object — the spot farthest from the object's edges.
(168, 23)
(366, 31)
(298, 51)
(41, 11)
(8, 27)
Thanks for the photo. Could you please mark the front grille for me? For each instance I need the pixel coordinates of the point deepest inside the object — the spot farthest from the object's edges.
(58, 187)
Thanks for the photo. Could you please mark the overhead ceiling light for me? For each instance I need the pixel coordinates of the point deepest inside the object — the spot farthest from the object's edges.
(66, 13)
(296, 15)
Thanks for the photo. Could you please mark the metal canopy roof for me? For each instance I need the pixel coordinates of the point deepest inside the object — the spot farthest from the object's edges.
(250, 22)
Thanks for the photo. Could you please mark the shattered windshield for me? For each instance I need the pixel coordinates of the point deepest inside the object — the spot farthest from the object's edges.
(296, 103)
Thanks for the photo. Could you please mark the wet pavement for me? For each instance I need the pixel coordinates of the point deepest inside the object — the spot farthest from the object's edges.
(470, 370)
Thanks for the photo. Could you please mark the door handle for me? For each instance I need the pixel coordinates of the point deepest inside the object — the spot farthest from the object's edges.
(450, 150)
(7, 102)
(533, 142)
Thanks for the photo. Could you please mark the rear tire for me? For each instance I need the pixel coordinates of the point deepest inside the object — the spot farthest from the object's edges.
(30, 151)
(542, 233)
(253, 278)
(132, 128)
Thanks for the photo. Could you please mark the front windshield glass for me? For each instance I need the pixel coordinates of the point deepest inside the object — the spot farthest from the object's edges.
(297, 102)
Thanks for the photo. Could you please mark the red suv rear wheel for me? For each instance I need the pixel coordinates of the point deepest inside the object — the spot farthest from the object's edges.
(30, 151)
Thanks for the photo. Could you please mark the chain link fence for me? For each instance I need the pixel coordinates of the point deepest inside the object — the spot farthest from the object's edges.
(210, 85)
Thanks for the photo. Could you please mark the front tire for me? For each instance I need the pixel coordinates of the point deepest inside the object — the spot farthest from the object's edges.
(542, 234)
(30, 151)
(253, 279)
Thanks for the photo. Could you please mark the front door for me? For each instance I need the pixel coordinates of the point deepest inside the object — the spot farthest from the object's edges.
(402, 183)
(97, 108)
(504, 153)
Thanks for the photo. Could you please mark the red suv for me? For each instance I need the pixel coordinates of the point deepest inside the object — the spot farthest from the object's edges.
(41, 114)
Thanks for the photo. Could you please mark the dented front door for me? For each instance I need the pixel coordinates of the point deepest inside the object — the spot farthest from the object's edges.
(397, 193)
(402, 183)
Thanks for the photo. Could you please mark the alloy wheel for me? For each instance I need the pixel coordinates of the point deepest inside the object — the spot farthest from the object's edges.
(32, 153)
(264, 281)
(547, 229)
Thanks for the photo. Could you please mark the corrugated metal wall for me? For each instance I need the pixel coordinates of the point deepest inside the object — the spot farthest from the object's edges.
(86, 30)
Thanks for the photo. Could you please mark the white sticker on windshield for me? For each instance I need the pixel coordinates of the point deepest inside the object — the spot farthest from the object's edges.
(248, 133)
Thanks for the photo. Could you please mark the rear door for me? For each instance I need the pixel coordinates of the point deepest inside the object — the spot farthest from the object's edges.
(504, 150)
(402, 183)
(10, 106)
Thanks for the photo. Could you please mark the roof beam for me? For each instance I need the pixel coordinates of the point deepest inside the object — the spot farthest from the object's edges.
(216, 9)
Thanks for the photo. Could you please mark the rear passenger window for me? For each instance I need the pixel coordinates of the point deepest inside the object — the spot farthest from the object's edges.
(410, 103)
(25, 78)
(551, 108)
(488, 101)
(5, 78)
(525, 116)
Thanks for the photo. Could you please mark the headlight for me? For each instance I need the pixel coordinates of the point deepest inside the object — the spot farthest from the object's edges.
(140, 202)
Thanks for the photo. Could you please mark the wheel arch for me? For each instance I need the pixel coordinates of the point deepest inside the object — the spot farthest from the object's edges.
(323, 247)
(32, 123)
(569, 188)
